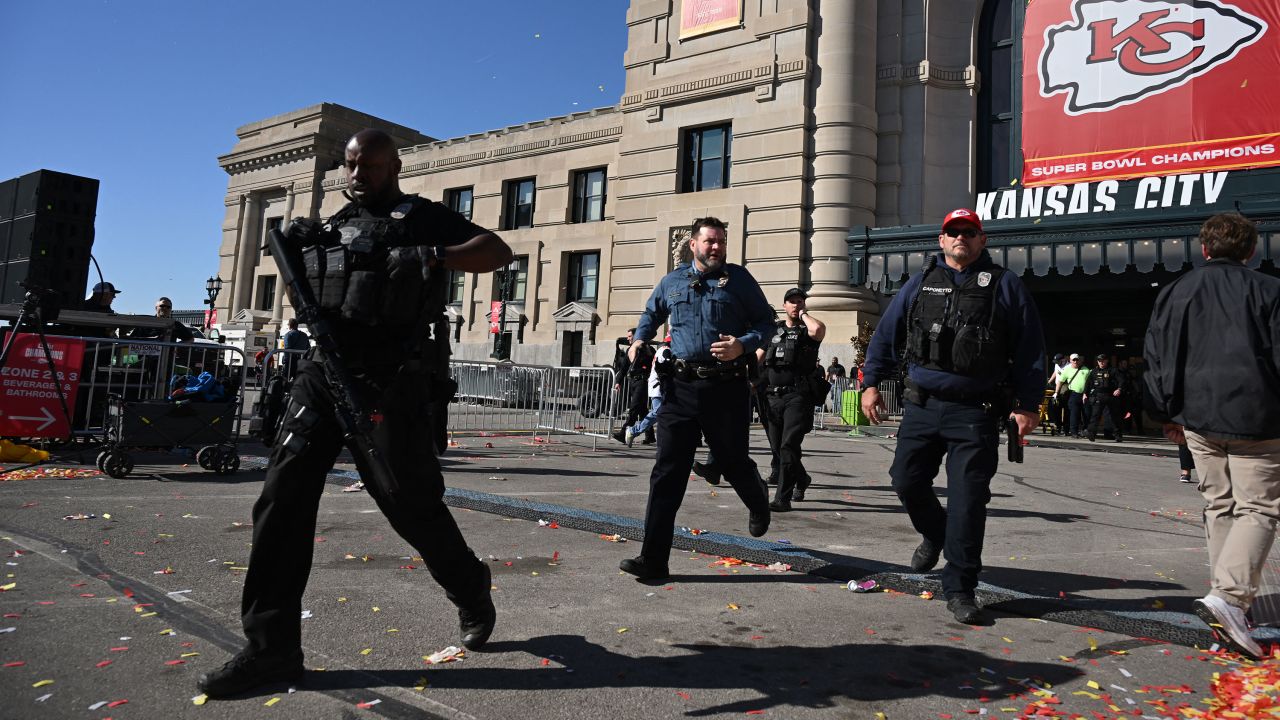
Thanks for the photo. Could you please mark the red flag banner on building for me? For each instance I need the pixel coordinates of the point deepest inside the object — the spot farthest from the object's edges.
(699, 17)
(1115, 89)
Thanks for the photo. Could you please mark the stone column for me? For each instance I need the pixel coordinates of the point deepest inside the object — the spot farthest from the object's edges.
(843, 192)
(246, 249)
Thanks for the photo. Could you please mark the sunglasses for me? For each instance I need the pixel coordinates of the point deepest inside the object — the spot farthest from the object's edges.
(966, 233)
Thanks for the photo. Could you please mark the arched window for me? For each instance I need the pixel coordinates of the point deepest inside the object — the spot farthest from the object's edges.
(999, 146)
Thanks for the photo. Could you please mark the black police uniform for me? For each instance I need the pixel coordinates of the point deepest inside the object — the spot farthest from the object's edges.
(637, 387)
(1101, 384)
(965, 337)
(790, 364)
(375, 284)
(702, 396)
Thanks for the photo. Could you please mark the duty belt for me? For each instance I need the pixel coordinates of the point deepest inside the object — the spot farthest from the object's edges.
(688, 370)
(780, 390)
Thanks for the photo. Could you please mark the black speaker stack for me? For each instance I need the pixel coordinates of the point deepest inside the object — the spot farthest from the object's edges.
(46, 235)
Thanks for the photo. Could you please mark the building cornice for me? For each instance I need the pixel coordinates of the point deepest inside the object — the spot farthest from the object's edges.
(928, 74)
(761, 78)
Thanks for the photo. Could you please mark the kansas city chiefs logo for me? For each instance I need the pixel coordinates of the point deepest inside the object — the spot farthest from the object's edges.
(1118, 52)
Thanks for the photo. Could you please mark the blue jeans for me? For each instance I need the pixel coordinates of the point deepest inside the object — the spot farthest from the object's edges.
(648, 420)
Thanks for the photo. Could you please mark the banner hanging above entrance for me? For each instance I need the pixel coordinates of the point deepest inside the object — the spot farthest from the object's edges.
(699, 17)
(1115, 89)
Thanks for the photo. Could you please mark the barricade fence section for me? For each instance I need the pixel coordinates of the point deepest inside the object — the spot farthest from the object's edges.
(576, 399)
(133, 370)
(842, 407)
(496, 397)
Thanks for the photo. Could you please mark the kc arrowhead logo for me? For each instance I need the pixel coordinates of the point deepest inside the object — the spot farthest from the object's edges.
(1119, 52)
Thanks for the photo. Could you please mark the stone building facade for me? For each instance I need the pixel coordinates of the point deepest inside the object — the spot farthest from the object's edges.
(805, 124)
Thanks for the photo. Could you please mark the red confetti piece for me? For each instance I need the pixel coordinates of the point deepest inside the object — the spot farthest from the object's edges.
(555, 556)
(103, 664)
(682, 695)
(127, 593)
(116, 703)
(15, 663)
(175, 662)
(87, 595)
(45, 602)
(122, 648)
(12, 616)
(408, 567)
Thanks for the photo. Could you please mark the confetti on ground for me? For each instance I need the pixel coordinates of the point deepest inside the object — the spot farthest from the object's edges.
(271, 702)
(80, 516)
(197, 700)
(613, 538)
(367, 705)
(48, 472)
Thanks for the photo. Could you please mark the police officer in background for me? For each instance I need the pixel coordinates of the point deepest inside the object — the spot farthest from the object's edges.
(636, 385)
(970, 336)
(1104, 393)
(719, 318)
(376, 286)
(791, 376)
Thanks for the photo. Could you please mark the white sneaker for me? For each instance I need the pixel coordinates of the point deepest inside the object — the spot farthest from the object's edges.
(1228, 625)
(629, 436)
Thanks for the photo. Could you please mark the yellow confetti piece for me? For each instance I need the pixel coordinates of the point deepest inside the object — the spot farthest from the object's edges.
(186, 655)
(377, 609)
(1157, 604)
(535, 572)
(239, 567)
(733, 606)
(341, 599)
(1064, 658)
(391, 630)
(621, 630)
(1085, 693)
(42, 683)
(149, 614)
(1093, 644)
(271, 702)
(366, 651)
(881, 716)
(10, 586)
(421, 684)
(111, 600)
(107, 516)
(199, 699)
(1006, 639)
(166, 631)
(1094, 685)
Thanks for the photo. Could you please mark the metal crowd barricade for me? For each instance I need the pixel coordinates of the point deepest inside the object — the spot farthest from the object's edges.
(836, 411)
(496, 397)
(572, 399)
(132, 370)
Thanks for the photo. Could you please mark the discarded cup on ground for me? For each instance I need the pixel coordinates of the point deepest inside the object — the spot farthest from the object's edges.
(862, 586)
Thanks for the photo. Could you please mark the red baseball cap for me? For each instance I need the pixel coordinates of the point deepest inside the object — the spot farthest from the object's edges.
(962, 215)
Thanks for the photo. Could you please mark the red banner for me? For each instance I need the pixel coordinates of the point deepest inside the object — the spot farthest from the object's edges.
(29, 405)
(1115, 89)
(699, 17)
(495, 317)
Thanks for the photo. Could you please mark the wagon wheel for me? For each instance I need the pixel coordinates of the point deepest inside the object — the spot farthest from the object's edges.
(102, 460)
(226, 462)
(118, 464)
(206, 455)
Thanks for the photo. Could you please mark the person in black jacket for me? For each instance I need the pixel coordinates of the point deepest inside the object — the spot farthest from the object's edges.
(1213, 380)
(1104, 392)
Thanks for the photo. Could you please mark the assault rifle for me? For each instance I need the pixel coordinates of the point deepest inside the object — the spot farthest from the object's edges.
(353, 417)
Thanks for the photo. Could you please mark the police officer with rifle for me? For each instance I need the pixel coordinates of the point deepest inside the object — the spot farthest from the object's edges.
(1104, 393)
(970, 336)
(370, 284)
(793, 385)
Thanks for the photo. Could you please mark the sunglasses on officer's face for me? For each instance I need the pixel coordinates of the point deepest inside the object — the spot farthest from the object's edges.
(966, 233)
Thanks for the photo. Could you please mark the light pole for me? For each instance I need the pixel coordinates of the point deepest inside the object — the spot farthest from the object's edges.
(501, 349)
(213, 286)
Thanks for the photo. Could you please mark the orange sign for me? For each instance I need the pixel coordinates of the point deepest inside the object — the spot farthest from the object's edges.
(699, 17)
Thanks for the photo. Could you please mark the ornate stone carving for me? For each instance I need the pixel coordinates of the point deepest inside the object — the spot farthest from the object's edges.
(680, 252)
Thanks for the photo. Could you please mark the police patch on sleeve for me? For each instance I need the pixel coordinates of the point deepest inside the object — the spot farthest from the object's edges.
(401, 210)
(984, 279)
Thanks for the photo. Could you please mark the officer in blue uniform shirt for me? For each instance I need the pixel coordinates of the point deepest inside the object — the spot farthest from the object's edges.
(719, 318)
(970, 336)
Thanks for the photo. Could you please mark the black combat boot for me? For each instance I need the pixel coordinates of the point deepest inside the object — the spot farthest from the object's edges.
(245, 672)
(644, 569)
(476, 621)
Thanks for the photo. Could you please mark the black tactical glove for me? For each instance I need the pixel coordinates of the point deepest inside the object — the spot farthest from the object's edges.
(305, 232)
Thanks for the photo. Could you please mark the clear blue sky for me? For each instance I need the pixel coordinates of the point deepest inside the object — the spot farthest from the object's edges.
(144, 95)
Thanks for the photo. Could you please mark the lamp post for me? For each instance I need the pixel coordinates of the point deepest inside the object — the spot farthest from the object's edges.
(502, 350)
(212, 286)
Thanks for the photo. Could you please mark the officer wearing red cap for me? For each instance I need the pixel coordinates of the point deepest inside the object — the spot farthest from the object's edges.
(969, 335)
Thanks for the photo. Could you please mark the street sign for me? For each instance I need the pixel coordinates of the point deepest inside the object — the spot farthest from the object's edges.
(29, 405)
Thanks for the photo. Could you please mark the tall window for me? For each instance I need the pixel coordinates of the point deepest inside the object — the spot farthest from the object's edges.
(706, 158)
(275, 223)
(588, 195)
(999, 157)
(459, 200)
(583, 277)
(457, 286)
(267, 293)
(519, 204)
(522, 280)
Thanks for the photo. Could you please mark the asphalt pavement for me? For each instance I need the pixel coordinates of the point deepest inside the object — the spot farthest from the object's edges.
(1092, 561)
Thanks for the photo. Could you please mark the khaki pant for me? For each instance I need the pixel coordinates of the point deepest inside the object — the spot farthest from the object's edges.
(1240, 481)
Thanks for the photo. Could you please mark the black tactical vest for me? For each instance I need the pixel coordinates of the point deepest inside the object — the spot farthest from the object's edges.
(957, 329)
(791, 354)
(372, 273)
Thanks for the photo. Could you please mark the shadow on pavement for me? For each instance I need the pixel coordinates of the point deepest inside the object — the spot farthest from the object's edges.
(786, 675)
